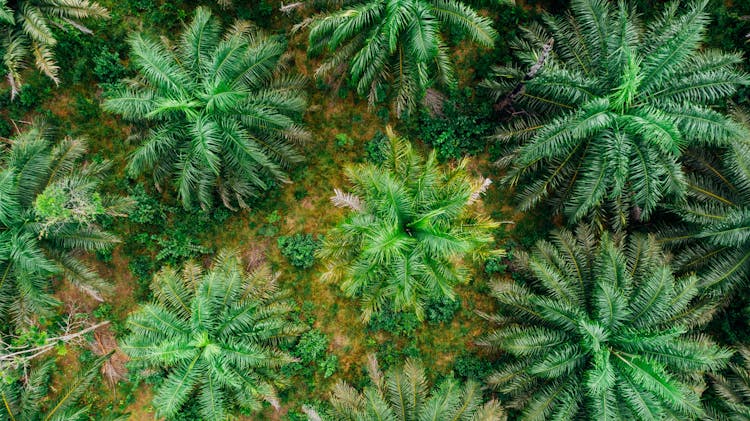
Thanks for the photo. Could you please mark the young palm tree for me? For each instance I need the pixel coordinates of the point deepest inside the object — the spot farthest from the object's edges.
(729, 397)
(25, 399)
(395, 45)
(715, 240)
(613, 107)
(221, 114)
(410, 224)
(27, 31)
(216, 335)
(49, 204)
(403, 394)
(601, 333)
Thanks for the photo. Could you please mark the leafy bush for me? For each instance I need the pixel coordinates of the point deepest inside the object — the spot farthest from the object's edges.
(299, 249)
(471, 366)
(107, 66)
(461, 129)
(312, 351)
(147, 210)
(396, 323)
(342, 140)
(312, 346)
(495, 265)
(375, 148)
(441, 310)
(329, 366)
(176, 247)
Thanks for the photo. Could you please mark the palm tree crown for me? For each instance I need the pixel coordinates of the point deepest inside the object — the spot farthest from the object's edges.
(613, 107)
(27, 30)
(729, 397)
(24, 399)
(221, 115)
(410, 222)
(49, 205)
(600, 333)
(403, 394)
(395, 44)
(216, 335)
(715, 240)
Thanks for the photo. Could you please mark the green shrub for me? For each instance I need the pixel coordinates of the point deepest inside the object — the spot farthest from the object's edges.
(178, 247)
(375, 148)
(471, 366)
(147, 210)
(495, 265)
(442, 310)
(342, 140)
(329, 366)
(312, 346)
(461, 129)
(395, 323)
(299, 249)
(107, 66)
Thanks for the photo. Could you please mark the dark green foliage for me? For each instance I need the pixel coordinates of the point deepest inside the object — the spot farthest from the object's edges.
(462, 127)
(312, 351)
(107, 66)
(471, 366)
(312, 346)
(299, 249)
(142, 268)
(259, 11)
(147, 210)
(601, 333)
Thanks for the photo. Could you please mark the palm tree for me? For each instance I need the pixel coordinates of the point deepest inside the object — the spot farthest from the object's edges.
(27, 31)
(600, 333)
(220, 111)
(50, 201)
(216, 335)
(403, 394)
(729, 396)
(715, 237)
(24, 399)
(612, 108)
(395, 45)
(410, 224)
